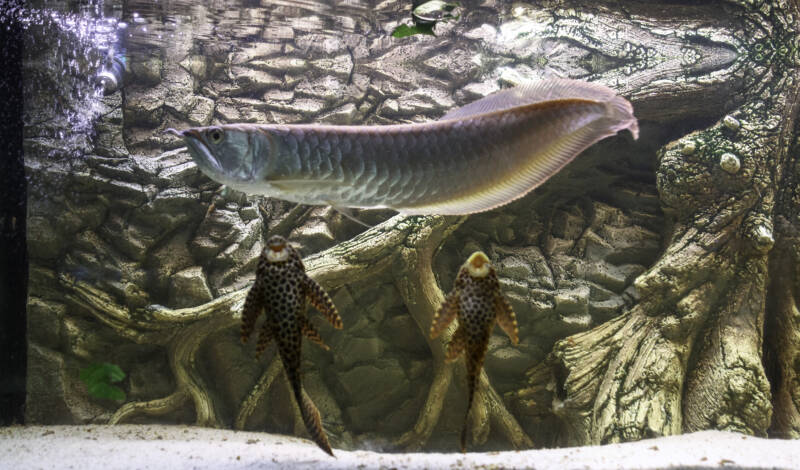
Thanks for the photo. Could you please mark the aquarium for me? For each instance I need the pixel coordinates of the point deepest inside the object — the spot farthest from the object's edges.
(288, 229)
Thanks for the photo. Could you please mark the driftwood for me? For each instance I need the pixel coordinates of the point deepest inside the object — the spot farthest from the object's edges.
(403, 247)
(696, 351)
(713, 339)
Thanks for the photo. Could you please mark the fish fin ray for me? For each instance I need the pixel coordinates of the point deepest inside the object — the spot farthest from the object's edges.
(540, 164)
(456, 345)
(345, 211)
(321, 301)
(535, 92)
(506, 317)
(264, 338)
(445, 315)
(313, 422)
(474, 358)
(308, 411)
(310, 332)
(253, 306)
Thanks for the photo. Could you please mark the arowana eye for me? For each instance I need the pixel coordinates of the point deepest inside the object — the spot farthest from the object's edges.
(215, 135)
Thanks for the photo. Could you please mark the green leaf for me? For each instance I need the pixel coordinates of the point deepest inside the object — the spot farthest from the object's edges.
(98, 378)
(104, 390)
(403, 31)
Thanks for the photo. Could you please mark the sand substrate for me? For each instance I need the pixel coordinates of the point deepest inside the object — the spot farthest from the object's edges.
(183, 447)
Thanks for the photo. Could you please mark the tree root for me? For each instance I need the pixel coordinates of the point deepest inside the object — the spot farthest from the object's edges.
(415, 438)
(261, 387)
(688, 355)
(423, 297)
(782, 345)
(157, 407)
(404, 246)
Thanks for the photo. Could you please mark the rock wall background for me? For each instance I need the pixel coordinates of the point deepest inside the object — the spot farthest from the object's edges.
(119, 205)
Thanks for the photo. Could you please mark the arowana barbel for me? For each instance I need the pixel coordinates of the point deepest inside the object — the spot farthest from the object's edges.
(475, 158)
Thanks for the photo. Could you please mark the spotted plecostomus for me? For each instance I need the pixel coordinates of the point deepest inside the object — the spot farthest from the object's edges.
(478, 303)
(282, 290)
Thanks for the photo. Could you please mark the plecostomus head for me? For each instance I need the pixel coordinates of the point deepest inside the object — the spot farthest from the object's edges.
(477, 264)
(277, 249)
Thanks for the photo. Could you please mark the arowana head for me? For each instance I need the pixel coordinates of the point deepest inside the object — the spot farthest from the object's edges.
(235, 155)
(477, 264)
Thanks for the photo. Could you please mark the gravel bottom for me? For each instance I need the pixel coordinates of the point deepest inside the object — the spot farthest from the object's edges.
(185, 447)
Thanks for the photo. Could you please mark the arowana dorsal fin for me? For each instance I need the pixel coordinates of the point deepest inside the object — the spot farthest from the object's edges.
(546, 90)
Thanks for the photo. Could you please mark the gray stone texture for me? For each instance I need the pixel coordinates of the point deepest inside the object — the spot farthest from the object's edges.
(120, 206)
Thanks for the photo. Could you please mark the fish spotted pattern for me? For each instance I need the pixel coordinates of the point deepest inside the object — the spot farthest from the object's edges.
(478, 303)
(282, 290)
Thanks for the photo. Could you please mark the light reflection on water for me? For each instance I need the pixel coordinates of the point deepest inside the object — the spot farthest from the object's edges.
(229, 24)
(65, 49)
(79, 40)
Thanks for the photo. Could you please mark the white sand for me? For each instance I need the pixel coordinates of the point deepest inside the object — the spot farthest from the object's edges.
(182, 447)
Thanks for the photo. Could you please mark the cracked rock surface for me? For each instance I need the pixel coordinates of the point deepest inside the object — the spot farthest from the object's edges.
(655, 282)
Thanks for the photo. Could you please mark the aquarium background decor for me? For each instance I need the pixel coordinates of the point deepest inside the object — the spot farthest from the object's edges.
(655, 282)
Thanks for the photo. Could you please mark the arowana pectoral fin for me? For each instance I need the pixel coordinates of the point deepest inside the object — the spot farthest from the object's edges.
(322, 302)
(506, 318)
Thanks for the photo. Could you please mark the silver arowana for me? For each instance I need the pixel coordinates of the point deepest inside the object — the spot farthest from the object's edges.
(475, 158)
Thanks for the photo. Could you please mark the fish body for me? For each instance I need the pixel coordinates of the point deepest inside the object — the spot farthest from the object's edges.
(478, 303)
(473, 159)
(282, 290)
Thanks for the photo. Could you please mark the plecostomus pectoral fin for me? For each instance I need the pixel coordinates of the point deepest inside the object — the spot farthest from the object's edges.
(321, 301)
(506, 318)
(456, 345)
(264, 338)
(253, 306)
(310, 332)
(445, 315)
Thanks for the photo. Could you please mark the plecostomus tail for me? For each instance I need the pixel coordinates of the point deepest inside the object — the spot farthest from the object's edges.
(282, 290)
(478, 303)
(475, 158)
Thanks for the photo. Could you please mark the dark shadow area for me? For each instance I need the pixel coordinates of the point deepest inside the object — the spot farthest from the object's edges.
(13, 253)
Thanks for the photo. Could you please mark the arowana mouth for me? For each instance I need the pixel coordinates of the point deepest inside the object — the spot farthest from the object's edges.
(198, 148)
